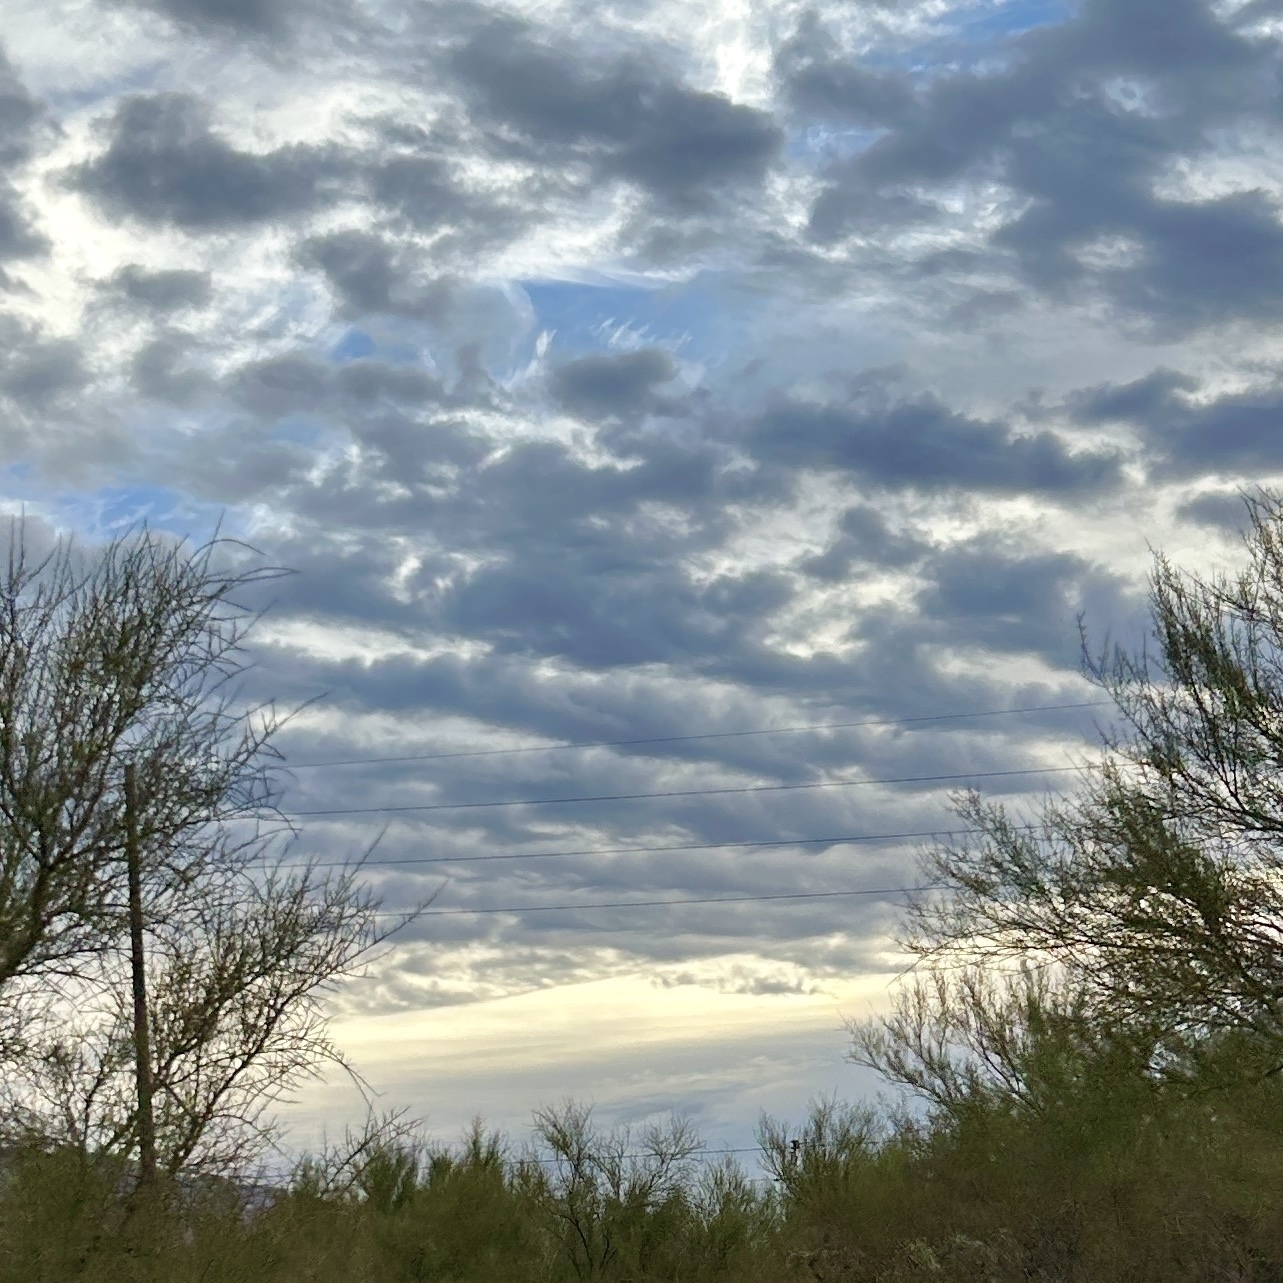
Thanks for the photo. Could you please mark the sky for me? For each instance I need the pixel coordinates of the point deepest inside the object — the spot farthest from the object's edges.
(625, 380)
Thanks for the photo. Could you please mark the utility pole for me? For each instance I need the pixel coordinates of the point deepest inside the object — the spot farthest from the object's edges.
(142, 1040)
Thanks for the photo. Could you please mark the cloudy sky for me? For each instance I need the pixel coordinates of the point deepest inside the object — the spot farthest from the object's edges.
(626, 378)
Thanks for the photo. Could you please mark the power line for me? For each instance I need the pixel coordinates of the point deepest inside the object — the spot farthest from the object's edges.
(836, 840)
(634, 797)
(690, 1153)
(708, 735)
(652, 904)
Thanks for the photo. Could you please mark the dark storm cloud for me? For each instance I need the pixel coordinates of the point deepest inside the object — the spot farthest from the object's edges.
(625, 118)
(539, 554)
(1056, 125)
(621, 387)
(164, 164)
(1237, 434)
(918, 442)
(163, 291)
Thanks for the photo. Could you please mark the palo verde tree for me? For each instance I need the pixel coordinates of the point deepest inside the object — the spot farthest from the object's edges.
(1142, 915)
(118, 668)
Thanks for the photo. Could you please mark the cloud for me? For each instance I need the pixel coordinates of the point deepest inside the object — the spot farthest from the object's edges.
(242, 16)
(620, 387)
(917, 441)
(164, 164)
(865, 543)
(422, 188)
(269, 24)
(38, 372)
(1218, 510)
(162, 370)
(627, 118)
(821, 84)
(636, 373)
(1004, 600)
(162, 291)
(20, 115)
(370, 273)
(18, 239)
(1079, 124)
(22, 120)
(1186, 434)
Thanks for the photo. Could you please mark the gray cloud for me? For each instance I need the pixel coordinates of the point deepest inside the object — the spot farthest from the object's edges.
(18, 238)
(162, 370)
(245, 16)
(1008, 601)
(1143, 400)
(1238, 434)
(865, 543)
(262, 23)
(370, 274)
(301, 384)
(819, 85)
(425, 192)
(164, 164)
(625, 119)
(919, 442)
(1056, 126)
(1218, 510)
(20, 115)
(163, 291)
(623, 387)
(37, 372)
(22, 120)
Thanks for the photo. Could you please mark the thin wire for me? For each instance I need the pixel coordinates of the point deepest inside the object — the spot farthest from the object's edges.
(651, 904)
(743, 1149)
(710, 735)
(634, 797)
(642, 850)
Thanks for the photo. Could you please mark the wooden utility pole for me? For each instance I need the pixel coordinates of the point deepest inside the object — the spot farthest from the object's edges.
(142, 1040)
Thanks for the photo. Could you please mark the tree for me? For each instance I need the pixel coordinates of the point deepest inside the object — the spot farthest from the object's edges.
(126, 658)
(1154, 895)
(605, 1189)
